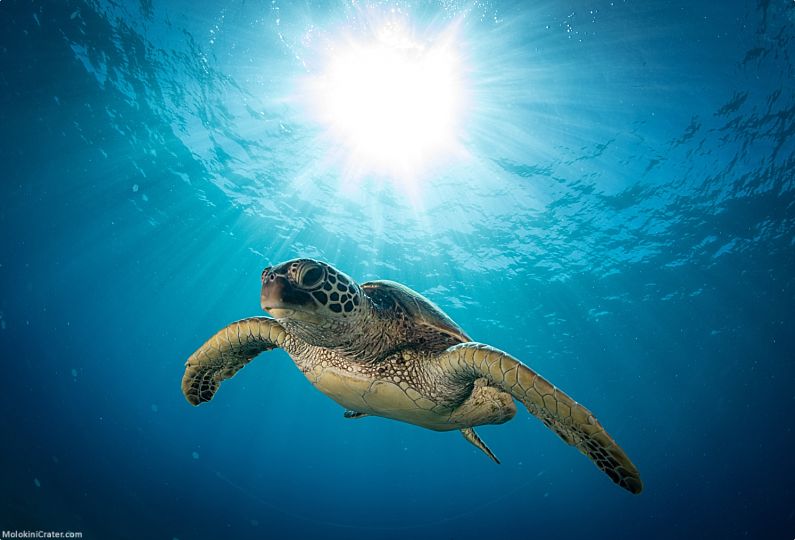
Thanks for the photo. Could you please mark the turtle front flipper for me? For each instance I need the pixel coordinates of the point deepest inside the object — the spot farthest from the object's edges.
(225, 353)
(568, 419)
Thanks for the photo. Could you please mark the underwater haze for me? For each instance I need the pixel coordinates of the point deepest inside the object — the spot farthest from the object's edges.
(612, 201)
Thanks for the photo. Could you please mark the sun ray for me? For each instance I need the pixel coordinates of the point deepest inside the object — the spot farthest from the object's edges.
(391, 104)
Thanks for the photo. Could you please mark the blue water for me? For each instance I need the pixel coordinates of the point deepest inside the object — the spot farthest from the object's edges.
(623, 222)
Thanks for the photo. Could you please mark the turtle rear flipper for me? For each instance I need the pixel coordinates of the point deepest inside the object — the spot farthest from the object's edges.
(470, 435)
(226, 353)
(354, 414)
(568, 419)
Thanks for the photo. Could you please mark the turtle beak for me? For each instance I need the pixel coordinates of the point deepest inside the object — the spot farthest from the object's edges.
(281, 299)
(273, 286)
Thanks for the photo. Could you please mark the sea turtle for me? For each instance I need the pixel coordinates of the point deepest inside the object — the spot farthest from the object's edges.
(382, 349)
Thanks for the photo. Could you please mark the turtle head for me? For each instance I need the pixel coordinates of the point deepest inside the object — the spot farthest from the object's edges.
(311, 293)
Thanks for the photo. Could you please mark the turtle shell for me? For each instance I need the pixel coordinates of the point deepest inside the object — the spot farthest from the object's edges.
(418, 308)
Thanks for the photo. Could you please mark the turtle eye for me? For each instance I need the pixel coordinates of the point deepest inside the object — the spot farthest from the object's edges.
(311, 276)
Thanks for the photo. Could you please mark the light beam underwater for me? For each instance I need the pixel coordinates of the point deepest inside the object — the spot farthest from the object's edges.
(393, 104)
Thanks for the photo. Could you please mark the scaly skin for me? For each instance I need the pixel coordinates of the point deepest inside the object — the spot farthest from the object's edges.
(226, 353)
(406, 385)
(396, 355)
(568, 419)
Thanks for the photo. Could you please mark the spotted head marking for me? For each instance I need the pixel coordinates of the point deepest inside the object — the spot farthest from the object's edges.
(310, 291)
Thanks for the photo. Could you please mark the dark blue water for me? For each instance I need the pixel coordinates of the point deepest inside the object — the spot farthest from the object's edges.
(622, 221)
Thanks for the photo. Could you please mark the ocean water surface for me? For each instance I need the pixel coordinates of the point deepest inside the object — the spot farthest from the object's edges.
(610, 199)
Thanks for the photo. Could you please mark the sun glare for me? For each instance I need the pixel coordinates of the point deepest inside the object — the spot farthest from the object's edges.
(395, 104)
